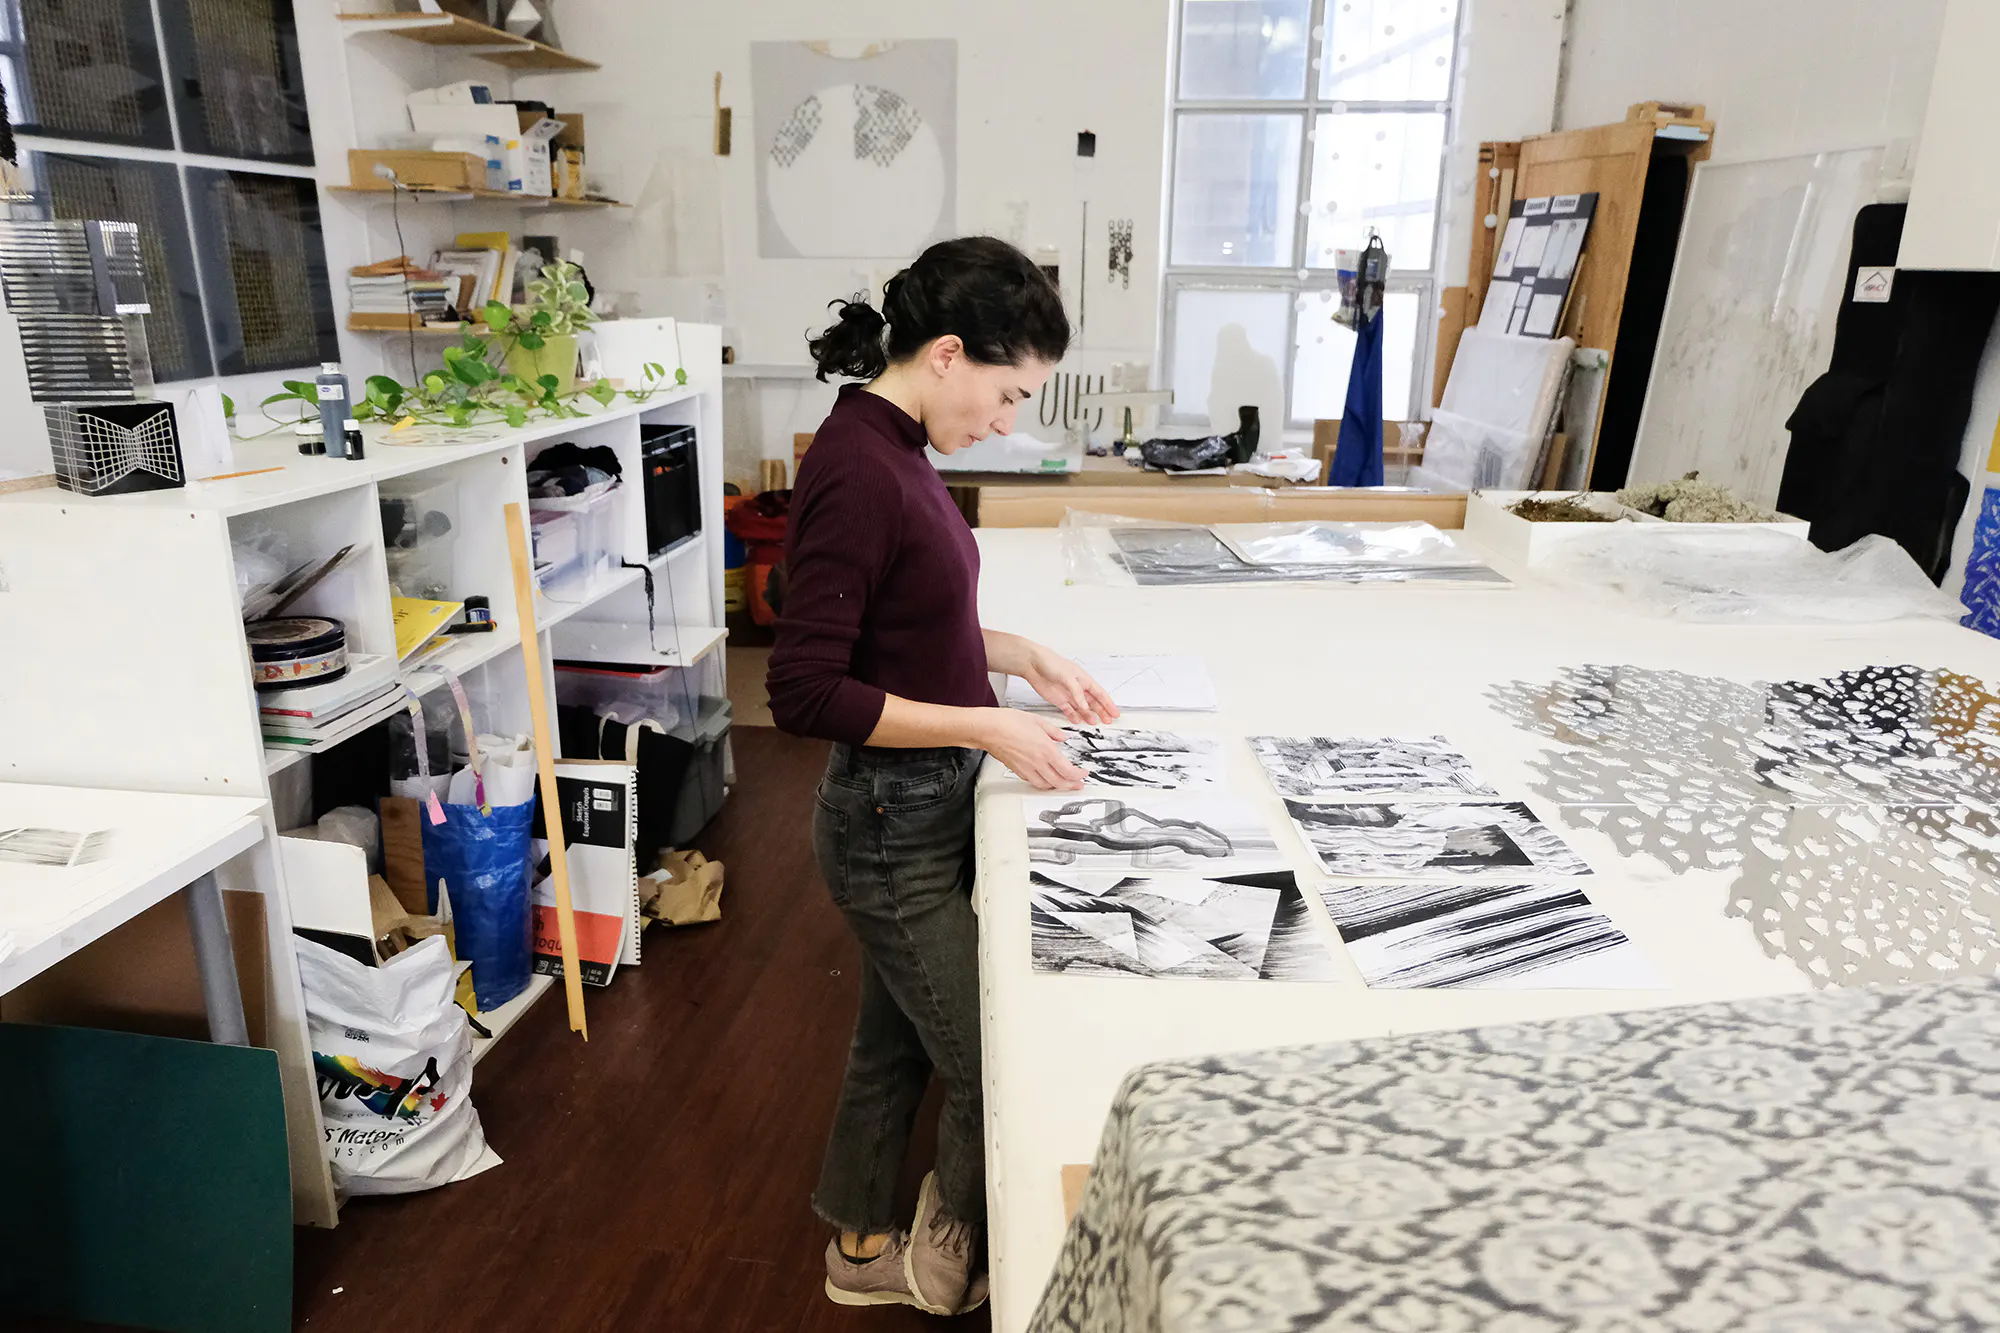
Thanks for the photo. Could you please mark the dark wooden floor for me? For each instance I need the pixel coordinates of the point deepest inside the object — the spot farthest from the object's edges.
(659, 1176)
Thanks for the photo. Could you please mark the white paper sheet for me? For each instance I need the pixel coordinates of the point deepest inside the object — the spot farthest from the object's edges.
(1534, 244)
(1138, 682)
(1510, 246)
(1499, 306)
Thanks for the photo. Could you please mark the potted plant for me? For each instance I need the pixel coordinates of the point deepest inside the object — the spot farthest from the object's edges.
(538, 337)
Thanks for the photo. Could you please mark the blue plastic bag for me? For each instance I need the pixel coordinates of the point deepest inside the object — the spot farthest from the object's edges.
(483, 861)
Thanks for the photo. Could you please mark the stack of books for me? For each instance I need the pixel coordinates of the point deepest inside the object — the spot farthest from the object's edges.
(397, 294)
(306, 715)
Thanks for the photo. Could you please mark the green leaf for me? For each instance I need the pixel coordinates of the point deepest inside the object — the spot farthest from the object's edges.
(655, 371)
(460, 415)
(228, 406)
(497, 316)
(452, 354)
(364, 411)
(530, 340)
(549, 383)
(435, 382)
(602, 392)
(303, 389)
(680, 375)
(286, 397)
(540, 319)
(517, 417)
(576, 291)
(465, 370)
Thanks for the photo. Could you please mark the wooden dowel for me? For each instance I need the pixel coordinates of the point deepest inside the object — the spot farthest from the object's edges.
(545, 762)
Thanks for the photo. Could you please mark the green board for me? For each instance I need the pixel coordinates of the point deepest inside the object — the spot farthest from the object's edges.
(146, 1182)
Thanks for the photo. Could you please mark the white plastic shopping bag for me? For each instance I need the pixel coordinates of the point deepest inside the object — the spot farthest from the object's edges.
(394, 1059)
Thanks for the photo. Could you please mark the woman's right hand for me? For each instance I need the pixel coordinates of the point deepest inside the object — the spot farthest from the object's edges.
(1030, 746)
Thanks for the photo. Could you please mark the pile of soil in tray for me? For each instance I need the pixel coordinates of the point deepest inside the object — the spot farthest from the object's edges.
(1566, 510)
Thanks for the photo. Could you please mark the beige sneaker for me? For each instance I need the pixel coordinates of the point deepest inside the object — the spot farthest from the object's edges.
(882, 1280)
(938, 1262)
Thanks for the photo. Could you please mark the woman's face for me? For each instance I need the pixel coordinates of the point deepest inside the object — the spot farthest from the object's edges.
(968, 402)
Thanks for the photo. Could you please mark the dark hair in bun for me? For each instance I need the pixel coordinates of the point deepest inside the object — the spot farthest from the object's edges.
(1003, 308)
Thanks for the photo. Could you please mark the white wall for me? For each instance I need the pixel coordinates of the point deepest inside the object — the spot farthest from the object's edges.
(1779, 77)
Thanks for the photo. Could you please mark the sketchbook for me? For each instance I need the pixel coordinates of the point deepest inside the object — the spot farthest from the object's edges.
(1492, 936)
(1153, 831)
(1237, 928)
(600, 828)
(1138, 682)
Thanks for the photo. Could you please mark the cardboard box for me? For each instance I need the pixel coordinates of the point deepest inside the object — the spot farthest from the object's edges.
(485, 146)
(416, 169)
(571, 135)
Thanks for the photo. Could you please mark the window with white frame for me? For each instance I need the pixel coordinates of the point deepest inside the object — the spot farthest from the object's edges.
(188, 118)
(1300, 127)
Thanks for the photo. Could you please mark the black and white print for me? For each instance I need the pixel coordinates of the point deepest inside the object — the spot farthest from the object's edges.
(52, 846)
(1461, 839)
(1133, 757)
(1341, 768)
(1156, 832)
(1235, 928)
(1500, 936)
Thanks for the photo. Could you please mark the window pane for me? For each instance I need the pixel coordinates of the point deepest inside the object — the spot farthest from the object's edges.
(239, 88)
(93, 72)
(1229, 349)
(1376, 169)
(149, 195)
(1236, 189)
(264, 265)
(1325, 354)
(1388, 50)
(1244, 48)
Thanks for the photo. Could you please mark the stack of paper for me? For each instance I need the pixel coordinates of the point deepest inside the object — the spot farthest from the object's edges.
(306, 714)
(399, 287)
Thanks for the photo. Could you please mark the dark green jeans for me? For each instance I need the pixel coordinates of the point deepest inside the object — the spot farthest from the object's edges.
(893, 833)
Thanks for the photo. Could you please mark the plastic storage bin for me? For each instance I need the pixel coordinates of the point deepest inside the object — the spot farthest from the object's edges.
(625, 693)
(701, 791)
(420, 536)
(589, 547)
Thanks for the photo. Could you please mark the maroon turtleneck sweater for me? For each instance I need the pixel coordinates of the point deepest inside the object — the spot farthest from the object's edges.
(881, 580)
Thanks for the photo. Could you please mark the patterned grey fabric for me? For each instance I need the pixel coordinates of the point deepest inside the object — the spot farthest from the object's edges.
(1827, 1163)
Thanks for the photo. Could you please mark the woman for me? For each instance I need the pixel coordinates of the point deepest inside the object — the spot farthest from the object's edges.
(880, 651)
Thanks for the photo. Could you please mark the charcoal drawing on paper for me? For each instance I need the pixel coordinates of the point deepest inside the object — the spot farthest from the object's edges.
(1341, 768)
(1501, 936)
(1234, 928)
(1481, 839)
(1133, 757)
(1156, 832)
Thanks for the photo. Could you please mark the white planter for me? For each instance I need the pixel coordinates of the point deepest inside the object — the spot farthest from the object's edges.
(1514, 538)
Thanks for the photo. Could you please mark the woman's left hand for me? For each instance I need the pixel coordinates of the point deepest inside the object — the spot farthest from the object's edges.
(1068, 686)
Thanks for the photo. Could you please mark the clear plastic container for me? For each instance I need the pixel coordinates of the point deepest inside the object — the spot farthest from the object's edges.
(666, 695)
(420, 536)
(593, 528)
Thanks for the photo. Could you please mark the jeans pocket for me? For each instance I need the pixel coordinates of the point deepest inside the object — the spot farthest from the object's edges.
(830, 847)
(913, 788)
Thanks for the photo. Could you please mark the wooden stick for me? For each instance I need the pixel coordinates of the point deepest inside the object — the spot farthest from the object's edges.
(545, 763)
(254, 472)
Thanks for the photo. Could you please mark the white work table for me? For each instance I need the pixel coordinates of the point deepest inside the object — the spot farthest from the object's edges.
(1361, 661)
(160, 844)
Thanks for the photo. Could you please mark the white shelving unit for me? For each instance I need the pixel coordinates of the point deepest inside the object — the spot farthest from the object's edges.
(123, 664)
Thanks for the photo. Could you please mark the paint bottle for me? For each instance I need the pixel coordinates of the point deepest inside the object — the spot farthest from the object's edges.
(333, 408)
(350, 435)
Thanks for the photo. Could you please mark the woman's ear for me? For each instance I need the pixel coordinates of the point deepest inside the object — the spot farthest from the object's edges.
(946, 352)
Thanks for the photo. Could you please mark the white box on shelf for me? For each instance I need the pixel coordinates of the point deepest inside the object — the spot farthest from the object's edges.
(1508, 535)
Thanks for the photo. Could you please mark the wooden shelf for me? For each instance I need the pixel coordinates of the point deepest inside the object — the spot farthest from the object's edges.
(432, 194)
(473, 39)
(423, 331)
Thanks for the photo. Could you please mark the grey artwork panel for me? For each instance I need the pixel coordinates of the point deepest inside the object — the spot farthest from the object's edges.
(1155, 832)
(1467, 839)
(1240, 928)
(856, 147)
(1862, 808)
(1340, 768)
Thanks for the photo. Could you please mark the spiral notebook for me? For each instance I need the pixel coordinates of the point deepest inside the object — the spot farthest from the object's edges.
(599, 805)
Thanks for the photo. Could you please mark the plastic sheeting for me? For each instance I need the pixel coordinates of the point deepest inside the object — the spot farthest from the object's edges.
(1110, 549)
(1748, 576)
(1498, 404)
